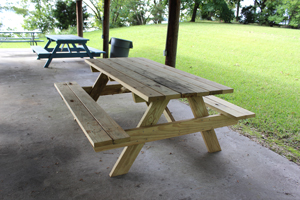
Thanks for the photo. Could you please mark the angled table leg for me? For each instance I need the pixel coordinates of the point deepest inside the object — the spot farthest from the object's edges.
(98, 86)
(168, 115)
(52, 55)
(129, 154)
(199, 110)
(87, 50)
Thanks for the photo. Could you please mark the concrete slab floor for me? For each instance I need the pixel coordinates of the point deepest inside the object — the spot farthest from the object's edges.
(45, 155)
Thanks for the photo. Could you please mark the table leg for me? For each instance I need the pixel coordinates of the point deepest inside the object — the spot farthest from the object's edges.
(199, 110)
(47, 45)
(98, 86)
(74, 46)
(129, 154)
(87, 50)
(52, 56)
(168, 115)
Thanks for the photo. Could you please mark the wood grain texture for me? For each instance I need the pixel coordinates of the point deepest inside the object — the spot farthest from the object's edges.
(171, 129)
(95, 133)
(168, 115)
(227, 108)
(88, 113)
(182, 82)
(117, 134)
(126, 159)
(221, 88)
(109, 90)
(185, 88)
(129, 154)
(99, 85)
(129, 69)
(199, 110)
(139, 88)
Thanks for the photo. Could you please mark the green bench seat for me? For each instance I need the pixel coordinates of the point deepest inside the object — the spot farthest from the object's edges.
(41, 52)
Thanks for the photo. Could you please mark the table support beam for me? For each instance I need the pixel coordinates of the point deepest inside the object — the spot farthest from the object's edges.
(129, 154)
(199, 110)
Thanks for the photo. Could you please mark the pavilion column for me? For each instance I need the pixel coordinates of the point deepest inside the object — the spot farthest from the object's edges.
(79, 18)
(105, 27)
(172, 34)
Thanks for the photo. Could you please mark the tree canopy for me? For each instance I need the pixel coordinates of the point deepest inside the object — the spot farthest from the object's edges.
(61, 14)
(65, 14)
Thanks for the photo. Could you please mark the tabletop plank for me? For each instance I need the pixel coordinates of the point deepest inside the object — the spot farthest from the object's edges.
(139, 88)
(177, 76)
(205, 83)
(128, 70)
(183, 87)
(67, 38)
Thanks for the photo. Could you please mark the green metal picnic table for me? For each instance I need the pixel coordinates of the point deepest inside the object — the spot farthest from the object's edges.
(70, 51)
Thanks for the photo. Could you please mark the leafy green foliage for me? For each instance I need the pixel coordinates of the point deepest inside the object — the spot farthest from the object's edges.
(137, 12)
(248, 15)
(158, 11)
(287, 10)
(210, 9)
(117, 13)
(223, 12)
(41, 18)
(65, 14)
(97, 8)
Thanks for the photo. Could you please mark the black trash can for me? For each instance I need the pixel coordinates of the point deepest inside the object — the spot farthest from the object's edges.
(119, 47)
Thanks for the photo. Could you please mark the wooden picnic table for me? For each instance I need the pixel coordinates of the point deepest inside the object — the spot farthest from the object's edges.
(72, 50)
(156, 84)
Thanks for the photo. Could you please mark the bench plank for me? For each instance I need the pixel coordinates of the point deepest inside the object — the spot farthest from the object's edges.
(227, 108)
(41, 52)
(113, 129)
(95, 133)
(92, 49)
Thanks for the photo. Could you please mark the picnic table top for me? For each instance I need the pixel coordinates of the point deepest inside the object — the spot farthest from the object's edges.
(151, 80)
(66, 38)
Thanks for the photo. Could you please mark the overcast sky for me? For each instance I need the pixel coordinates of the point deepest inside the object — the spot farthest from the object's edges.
(14, 21)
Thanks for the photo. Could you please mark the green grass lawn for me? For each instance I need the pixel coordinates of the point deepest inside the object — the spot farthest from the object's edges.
(262, 64)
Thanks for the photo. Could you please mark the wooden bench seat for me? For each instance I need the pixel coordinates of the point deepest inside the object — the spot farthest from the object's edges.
(98, 126)
(41, 52)
(95, 52)
(226, 108)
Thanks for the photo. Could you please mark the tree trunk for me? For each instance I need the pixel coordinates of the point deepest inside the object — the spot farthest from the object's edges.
(196, 6)
(237, 10)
